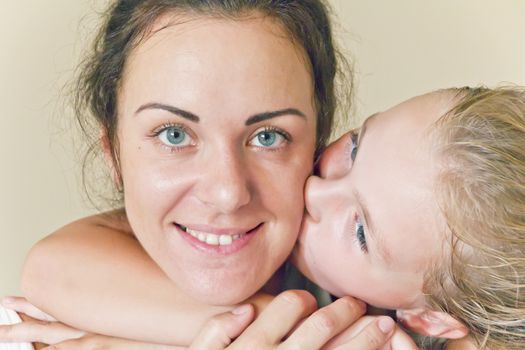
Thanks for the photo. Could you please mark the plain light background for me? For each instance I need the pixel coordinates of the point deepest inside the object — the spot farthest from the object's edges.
(400, 48)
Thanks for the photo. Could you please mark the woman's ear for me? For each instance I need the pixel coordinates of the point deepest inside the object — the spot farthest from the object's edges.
(110, 159)
(432, 323)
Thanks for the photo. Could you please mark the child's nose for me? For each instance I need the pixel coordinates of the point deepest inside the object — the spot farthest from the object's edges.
(336, 160)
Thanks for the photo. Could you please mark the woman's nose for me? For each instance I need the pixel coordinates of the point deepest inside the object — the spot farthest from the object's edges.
(225, 185)
(336, 160)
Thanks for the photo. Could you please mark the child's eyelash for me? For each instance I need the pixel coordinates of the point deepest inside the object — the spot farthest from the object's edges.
(360, 234)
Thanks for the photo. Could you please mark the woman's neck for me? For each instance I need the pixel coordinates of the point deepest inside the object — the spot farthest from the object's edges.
(275, 284)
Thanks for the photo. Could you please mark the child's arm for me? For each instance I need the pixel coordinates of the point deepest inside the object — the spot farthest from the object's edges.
(94, 275)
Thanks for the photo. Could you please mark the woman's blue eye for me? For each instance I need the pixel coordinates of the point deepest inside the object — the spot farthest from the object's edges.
(268, 139)
(174, 136)
(360, 235)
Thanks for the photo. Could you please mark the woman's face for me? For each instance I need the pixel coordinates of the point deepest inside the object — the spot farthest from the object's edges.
(373, 227)
(216, 139)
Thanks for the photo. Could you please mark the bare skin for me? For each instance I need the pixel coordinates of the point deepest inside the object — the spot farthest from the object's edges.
(329, 172)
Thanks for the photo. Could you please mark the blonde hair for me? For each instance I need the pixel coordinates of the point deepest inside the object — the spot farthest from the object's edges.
(481, 192)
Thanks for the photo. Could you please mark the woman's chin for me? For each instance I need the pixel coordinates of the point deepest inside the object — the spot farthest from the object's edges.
(217, 289)
(220, 296)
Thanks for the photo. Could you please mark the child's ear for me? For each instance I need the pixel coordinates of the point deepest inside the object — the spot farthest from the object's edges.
(432, 323)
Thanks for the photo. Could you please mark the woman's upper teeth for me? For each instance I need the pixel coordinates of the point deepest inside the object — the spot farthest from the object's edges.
(213, 239)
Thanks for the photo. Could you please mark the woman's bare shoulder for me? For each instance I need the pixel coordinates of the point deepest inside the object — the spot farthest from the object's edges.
(115, 220)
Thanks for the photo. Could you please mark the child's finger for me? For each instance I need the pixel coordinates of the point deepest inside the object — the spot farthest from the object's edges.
(281, 316)
(21, 305)
(325, 323)
(218, 332)
(38, 331)
(376, 334)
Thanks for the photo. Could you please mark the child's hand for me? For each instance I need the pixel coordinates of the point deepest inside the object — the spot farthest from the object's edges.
(292, 321)
(37, 326)
(399, 340)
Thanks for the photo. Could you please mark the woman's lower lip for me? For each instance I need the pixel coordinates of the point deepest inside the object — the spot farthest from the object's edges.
(219, 250)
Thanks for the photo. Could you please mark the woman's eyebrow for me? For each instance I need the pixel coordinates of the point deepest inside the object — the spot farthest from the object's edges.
(257, 118)
(172, 109)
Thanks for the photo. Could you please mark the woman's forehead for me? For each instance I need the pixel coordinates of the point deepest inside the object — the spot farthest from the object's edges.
(188, 64)
(185, 22)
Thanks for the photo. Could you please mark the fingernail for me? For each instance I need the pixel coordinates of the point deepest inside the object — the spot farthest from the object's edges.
(386, 324)
(400, 314)
(240, 310)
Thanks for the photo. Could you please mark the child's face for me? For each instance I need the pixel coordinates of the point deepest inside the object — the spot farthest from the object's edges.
(372, 227)
(217, 202)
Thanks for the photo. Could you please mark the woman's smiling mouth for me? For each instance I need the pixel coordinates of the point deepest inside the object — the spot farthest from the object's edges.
(224, 241)
(213, 239)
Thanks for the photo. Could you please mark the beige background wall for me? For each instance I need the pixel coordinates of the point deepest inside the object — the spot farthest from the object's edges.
(401, 48)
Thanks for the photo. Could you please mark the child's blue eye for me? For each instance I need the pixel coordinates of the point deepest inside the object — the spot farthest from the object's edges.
(360, 235)
(353, 153)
